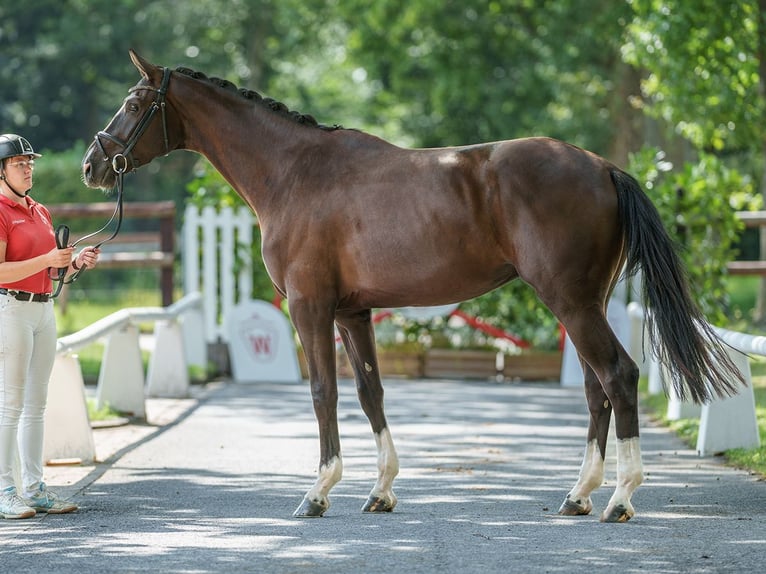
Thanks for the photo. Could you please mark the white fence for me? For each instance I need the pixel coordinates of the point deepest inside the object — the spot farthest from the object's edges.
(724, 423)
(178, 343)
(217, 263)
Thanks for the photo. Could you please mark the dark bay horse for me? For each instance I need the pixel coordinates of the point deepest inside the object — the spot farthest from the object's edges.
(350, 222)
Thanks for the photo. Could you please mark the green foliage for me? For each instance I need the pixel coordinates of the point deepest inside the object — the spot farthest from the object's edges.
(474, 70)
(57, 177)
(106, 412)
(209, 188)
(702, 62)
(697, 204)
(515, 308)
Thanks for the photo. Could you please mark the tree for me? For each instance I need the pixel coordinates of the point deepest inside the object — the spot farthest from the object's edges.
(706, 77)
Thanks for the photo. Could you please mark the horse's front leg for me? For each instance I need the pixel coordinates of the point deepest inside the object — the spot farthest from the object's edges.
(578, 501)
(314, 323)
(358, 336)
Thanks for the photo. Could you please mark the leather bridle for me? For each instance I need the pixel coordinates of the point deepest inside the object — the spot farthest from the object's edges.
(124, 160)
(120, 163)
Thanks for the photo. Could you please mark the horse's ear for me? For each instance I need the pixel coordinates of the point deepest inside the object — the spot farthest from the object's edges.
(147, 70)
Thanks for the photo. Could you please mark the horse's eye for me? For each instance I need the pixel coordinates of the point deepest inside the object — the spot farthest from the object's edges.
(132, 107)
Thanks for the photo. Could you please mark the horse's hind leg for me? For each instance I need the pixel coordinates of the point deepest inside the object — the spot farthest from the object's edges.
(358, 337)
(618, 375)
(578, 500)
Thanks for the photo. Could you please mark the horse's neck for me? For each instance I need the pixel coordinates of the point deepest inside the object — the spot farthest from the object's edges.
(251, 146)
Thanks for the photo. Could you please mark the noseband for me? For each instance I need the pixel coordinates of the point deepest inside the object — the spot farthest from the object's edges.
(124, 160)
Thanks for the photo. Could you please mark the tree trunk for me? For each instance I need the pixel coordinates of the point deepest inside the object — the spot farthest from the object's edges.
(760, 308)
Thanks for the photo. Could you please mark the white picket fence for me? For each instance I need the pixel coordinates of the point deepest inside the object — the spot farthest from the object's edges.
(211, 241)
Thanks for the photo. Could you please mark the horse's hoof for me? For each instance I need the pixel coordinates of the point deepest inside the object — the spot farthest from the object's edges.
(617, 514)
(309, 509)
(572, 508)
(376, 504)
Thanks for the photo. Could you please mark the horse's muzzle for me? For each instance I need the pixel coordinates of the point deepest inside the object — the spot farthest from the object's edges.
(97, 173)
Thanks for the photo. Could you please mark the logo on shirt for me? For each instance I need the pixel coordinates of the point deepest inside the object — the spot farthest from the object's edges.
(17, 221)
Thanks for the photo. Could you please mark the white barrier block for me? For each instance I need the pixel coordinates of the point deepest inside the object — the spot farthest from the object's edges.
(67, 426)
(639, 347)
(730, 422)
(167, 375)
(678, 409)
(261, 344)
(659, 380)
(657, 376)
(121, 379)
(194, 341)
(571, 370)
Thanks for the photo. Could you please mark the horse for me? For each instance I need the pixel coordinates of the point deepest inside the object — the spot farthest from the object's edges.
(350, 222)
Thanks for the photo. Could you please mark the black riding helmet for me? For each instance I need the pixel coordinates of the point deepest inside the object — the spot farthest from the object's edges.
(12, 145)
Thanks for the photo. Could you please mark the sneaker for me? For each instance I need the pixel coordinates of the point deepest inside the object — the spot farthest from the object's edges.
(13, 506)
(45, 500)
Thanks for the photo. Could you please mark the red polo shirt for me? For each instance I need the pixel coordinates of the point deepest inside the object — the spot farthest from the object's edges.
(27, 232)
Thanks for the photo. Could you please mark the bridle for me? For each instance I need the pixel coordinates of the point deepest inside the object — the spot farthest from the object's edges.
(120, 163)
(127, 146)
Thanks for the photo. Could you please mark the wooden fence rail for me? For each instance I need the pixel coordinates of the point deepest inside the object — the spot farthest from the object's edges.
(130, 249)
(750, 219)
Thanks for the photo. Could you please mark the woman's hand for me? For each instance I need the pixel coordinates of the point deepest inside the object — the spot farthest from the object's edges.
(59, 258)
(87, 258)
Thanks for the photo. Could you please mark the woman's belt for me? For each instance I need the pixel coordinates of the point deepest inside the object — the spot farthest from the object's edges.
(25, 296)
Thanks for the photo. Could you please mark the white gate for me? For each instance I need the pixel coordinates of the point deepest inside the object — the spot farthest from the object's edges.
(217, 262)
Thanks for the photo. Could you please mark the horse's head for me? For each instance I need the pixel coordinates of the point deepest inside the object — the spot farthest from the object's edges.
(137, 133)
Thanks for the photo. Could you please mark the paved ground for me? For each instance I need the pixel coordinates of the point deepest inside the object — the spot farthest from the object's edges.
(209, 485)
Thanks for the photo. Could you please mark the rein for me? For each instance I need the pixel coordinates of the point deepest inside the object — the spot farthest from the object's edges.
(120, 164)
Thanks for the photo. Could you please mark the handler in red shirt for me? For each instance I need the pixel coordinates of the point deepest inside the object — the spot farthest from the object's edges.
(27, 330)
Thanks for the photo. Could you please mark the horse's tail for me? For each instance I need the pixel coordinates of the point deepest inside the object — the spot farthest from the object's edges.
(692, 353)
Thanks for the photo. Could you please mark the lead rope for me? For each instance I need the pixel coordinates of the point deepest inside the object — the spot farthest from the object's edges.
(62, 231)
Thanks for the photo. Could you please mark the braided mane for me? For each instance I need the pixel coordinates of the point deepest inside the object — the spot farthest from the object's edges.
(271, 104)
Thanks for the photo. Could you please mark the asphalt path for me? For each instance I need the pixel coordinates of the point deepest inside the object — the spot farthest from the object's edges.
(484, 468)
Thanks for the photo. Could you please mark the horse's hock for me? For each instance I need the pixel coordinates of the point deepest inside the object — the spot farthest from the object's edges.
(131, 249)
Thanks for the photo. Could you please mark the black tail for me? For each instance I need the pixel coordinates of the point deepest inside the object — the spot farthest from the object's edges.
(688, 347)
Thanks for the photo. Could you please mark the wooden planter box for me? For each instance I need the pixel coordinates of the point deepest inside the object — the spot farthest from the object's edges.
(537, 366)
(457, 364)
(391, 363)
(460, 364)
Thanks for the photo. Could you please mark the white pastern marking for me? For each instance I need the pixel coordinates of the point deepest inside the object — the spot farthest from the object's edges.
(630, 472)
(591, 475)
(388, 466)
(329, 475)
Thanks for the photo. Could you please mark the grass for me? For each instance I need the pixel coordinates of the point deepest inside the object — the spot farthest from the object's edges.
(100, 414)
(753, 460)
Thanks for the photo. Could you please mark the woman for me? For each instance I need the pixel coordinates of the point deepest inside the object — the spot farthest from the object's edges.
(27, 329)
